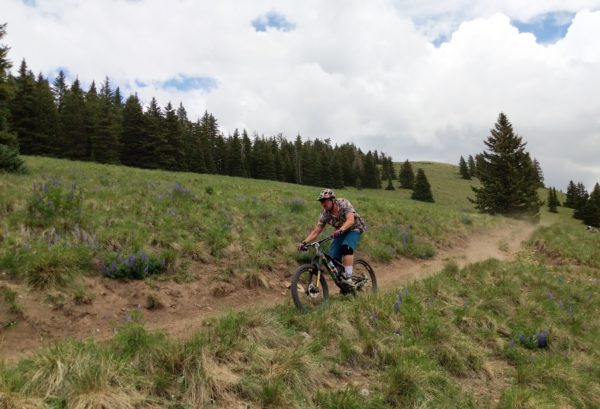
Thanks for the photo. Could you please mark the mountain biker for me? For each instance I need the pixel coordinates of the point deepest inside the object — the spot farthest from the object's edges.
(348, 229)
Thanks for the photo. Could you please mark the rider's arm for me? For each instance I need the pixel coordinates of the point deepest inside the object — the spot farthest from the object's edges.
(348, 223)
(315, 233)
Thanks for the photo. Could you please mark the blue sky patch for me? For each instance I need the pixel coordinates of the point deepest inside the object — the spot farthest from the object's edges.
(272, 20)
(185, 83)
(30, 3)
(547, 28)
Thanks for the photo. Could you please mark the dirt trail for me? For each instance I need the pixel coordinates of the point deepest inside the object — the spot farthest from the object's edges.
(183, 307)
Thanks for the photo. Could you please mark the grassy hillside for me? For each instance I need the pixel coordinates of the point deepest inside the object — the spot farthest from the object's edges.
(67, 218)
(520, 334)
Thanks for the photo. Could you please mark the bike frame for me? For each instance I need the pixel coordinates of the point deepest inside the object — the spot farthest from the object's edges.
(321, 261)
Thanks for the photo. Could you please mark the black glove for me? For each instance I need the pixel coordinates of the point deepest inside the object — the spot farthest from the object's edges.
(338, 233)
(301, 246)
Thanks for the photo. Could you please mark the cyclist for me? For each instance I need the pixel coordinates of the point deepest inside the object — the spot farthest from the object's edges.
(348, 229)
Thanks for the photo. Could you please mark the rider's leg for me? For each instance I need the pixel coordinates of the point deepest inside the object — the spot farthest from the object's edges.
(350, 241)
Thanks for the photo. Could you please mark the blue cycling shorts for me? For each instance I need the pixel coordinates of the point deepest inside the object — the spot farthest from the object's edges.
(350, 238)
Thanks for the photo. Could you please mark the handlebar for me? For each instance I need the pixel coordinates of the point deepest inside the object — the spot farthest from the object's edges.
(317, 244)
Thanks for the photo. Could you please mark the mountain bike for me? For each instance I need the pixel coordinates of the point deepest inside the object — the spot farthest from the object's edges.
(310, 290)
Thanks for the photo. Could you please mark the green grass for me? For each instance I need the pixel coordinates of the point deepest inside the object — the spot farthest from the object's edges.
(451, 330)
(65, 218)
(463, 338)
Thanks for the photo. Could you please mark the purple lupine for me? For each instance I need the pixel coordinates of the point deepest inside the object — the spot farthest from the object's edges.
(511, 344)
(373, 316)
(550, 295)
(542, 339)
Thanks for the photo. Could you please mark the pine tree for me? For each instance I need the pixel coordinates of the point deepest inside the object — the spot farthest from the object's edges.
(22, 110)
(108, 144)
(463, 169)
(371, 176)
(6, 138)
(552, 200)
(72, 124)
(235, 158)
(591, 213)
(538, 175)
(59, 90)
(156, 141)
(172, 155)
(92, 122)
(9, 153)
(506, 174)
(422, 189)
(46, 123)
(390, 186)
(406, 176)
(247, 158)
(581, 200)
(133, 134)
(571, 196)
(472, 168)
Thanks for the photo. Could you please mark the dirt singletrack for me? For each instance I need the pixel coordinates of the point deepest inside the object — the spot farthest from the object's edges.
(180, 309)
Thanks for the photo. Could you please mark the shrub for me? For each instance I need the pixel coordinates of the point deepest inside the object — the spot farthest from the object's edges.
(10, 161)
(134, 267)
(297, 205)
(53, 204)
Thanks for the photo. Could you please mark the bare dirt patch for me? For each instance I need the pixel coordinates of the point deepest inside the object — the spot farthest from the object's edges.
(180, 309)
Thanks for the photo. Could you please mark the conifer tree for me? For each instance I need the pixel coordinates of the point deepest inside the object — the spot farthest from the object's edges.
(7, 138)
(581, 200)
(22, 109)
(235, 158)
(371, 176)
(46, 124)
(72, 124)
(571, 196)
(337, 177)
(552, 200)
(59, 90)
(156, 141)
(92, 122)
(463, 169)
(172, 156)
(133, 134)
(390, 186)
(247, 159)
(538, 175)
(10, 161)
(508, 186)
(406, 176)
(591, 212)
(422, 188)
(107, 144)
(472, 168)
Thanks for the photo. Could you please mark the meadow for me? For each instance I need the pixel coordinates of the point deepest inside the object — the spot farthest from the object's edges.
(516, 334)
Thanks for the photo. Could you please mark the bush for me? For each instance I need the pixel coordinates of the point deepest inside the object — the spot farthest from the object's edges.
(134, 267)
(10, 161)
(53, 204)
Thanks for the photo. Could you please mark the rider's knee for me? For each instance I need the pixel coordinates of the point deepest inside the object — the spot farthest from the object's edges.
(347, 250)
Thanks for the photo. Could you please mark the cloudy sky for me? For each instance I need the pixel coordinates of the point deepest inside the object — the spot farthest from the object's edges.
(417, 79)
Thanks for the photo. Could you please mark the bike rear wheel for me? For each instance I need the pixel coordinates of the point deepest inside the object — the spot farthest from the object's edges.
(308, 295)
(364, 277)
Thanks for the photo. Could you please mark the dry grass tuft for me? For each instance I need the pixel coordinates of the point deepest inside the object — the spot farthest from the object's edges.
(255, 279)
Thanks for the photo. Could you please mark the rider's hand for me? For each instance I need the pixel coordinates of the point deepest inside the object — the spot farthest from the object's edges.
(301, 246)
(338, 233)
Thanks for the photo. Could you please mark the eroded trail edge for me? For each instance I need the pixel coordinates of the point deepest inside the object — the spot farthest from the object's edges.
(184, 307)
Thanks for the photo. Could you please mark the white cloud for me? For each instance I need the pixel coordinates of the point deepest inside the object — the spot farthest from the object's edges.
(357, 71)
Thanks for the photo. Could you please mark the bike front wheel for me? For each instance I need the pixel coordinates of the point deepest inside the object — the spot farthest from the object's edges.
(308, 294)
(364, 277)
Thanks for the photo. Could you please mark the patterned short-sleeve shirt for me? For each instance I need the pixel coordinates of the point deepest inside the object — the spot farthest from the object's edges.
(345, 207)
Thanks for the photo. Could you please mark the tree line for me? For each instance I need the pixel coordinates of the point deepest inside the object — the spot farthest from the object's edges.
(58, 119)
